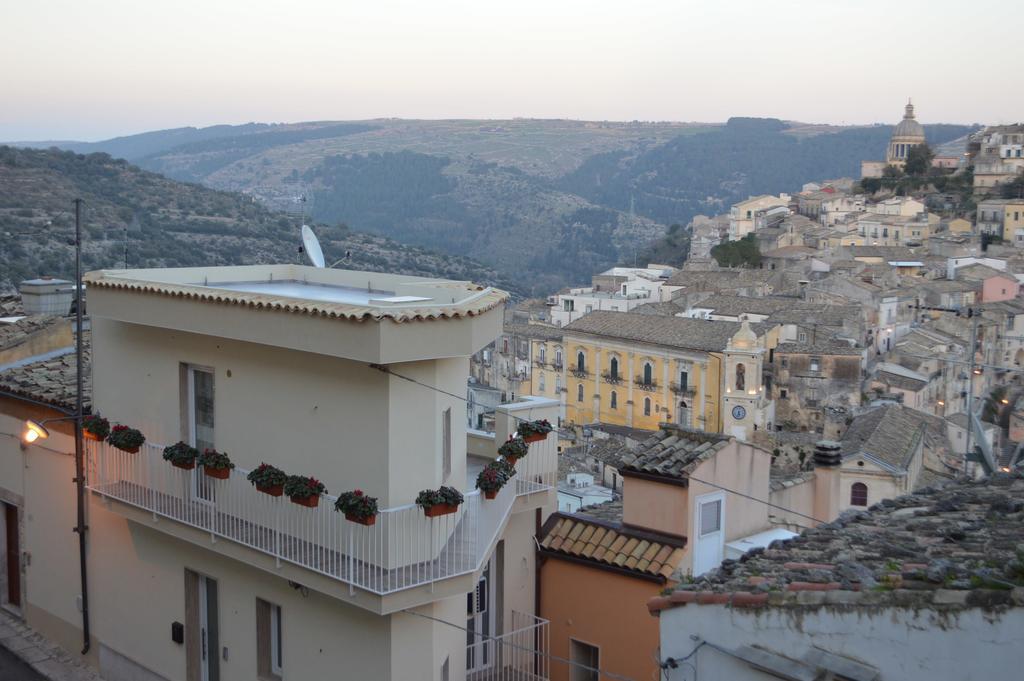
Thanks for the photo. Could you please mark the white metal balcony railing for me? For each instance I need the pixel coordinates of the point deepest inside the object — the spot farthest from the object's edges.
(519, 655)
(403, 549)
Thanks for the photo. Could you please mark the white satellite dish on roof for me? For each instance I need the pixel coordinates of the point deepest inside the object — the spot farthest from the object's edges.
(312, 247)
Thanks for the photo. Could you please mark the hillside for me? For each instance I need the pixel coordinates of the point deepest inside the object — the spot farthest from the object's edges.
(168, 223)
(544, 202)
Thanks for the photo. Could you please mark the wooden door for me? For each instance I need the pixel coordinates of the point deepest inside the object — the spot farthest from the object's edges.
(13, 555)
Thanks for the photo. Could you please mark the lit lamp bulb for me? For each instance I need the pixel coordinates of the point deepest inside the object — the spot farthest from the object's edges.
(34, 431)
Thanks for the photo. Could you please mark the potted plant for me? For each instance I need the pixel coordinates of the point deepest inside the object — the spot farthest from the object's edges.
(436, 502)
(181, 455)
(268, 479)
(534, 431)
(357, 507)
(493, 477)
(126, 439)
(304, 491)
(513, 450)
(95, 427)
(216, 464)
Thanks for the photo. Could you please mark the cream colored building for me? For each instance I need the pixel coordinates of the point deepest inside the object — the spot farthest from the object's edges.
(752, 214)
(352, 378)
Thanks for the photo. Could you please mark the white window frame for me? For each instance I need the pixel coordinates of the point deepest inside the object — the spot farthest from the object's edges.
(275, 640)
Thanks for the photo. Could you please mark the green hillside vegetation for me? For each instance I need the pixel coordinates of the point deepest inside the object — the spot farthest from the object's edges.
(544, 202)
(168, 224)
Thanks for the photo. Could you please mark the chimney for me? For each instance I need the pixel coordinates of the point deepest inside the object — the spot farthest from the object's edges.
(827, 491)
(47, 296)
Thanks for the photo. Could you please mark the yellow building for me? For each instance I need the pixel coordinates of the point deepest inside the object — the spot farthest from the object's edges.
(960, 226)
(639, 370)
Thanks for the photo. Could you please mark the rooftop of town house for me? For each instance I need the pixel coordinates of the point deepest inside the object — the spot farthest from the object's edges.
(666, 309)
(343, 294)
(979, 272)
(601, 540)
(675, 332)
(884, 252)
(731, 306)
(809, 314)
(789, 252)
(888, 436)
(784, 477)
(673, 452)
(722, 279)
(895, 380)
(944, 286)
(821, 347)
(1012, 307)
(544, 332)
(51, 378)
(945, 549)
(20, 329)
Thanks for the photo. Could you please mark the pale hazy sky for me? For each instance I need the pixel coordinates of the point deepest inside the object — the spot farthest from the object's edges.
(91, 69)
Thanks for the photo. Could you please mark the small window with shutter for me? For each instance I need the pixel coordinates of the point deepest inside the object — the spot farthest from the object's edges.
(269, 650)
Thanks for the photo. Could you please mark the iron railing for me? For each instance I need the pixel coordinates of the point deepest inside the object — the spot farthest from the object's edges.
(403, 549)
(519, 655)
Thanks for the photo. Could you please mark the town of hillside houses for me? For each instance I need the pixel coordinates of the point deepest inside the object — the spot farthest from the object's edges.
(798, 454)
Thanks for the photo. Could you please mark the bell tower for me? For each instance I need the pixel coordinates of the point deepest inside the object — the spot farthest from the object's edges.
(745, 406)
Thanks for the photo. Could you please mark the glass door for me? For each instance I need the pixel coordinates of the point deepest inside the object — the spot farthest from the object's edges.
(200, 426)
(480, 623)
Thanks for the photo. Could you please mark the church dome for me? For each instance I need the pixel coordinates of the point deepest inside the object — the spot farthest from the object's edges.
(909, 128)
(745, 338)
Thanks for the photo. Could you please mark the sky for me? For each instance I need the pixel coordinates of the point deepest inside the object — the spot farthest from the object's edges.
(92, 70)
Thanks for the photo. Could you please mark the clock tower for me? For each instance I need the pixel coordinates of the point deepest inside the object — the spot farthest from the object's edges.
(745, 407)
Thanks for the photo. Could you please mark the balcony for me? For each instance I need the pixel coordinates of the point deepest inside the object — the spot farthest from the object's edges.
(649, 386)
(687, 390)
(404, 549)
(519, 655)
(579, 373)
(608, 377)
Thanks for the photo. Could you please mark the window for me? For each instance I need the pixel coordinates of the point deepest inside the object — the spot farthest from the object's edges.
(558, 357)
(269, 650)
(741, 377)
(543, 354)
(647, 406)
(802, 337)
(504, 345)
(581, 362)
(784, 362)
(199, 422)
(783, 394)
(858, 494)
(586, 660)
(558, 385)
(568, 305)
(540, 383)
(590, 308)
(710, 517)
(615, 400)
(684, 378)
(613, 368)
(446, 441)
(579, 393)
(815, 363)
(648, 373)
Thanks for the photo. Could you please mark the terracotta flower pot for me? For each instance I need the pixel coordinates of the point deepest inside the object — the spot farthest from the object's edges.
(512, 459)
(536, 437)
(440, 509)
(308, 502)
(91, 436)
(362, 520)
(187, 465)
(219, 473)
(130, 450)
(272, 490)
(490, 494)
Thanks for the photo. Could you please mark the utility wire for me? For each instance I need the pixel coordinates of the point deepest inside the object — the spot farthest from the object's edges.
(532, 651)
(463, 398)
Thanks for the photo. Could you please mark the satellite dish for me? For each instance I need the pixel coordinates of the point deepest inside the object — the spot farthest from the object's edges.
(312, 247)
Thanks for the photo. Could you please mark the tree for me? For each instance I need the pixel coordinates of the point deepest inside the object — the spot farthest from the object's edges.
(871, 185)
(919, 160)
(742, 253)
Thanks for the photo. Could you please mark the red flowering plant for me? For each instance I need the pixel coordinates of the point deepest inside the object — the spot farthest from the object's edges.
(447, 496)
(492, 478)
(516, 448)
(266, 475)
(302, 487)
(181, 454)
(125, 438)
(97, 426)
(356, 504)
(215, 460)
(534, 430)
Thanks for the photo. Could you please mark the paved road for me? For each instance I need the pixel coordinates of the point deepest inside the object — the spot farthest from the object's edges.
(13, 669)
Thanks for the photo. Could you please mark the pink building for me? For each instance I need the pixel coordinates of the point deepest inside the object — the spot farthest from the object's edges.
(993, 285)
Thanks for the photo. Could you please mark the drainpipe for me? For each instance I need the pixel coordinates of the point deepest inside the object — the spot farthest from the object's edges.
(80, 527)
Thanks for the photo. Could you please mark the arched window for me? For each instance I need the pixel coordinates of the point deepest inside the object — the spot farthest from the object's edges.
(558, 357)
(741, 377)
(581, 362)
(579, 393)
(684, 379)
(648, 373)
(647, 406)
(543, 353)
(613, 368)
(858, 494)
(615, 400)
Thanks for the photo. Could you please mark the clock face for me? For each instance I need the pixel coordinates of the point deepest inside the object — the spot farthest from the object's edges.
(739, 413)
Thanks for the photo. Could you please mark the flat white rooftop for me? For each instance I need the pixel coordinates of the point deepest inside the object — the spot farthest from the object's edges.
(304, 290)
